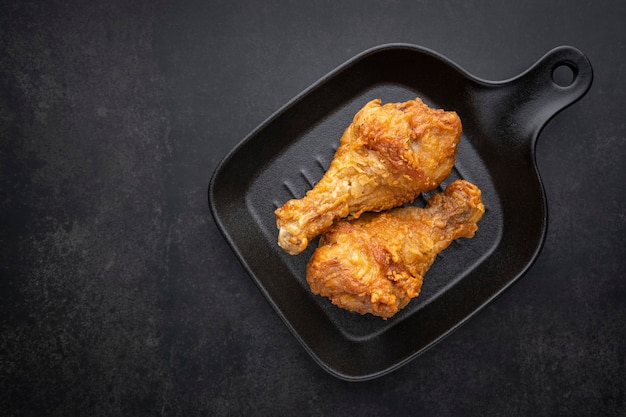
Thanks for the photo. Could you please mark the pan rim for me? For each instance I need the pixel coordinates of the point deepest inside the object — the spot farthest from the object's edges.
(222, 226)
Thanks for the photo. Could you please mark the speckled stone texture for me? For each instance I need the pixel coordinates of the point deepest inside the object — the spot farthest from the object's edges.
(119, 296)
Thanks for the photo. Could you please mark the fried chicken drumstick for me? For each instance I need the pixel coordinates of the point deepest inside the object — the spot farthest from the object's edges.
(387, 156)
(375, 264)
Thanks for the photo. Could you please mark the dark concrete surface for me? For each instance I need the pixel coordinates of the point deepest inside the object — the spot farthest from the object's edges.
(118, 294)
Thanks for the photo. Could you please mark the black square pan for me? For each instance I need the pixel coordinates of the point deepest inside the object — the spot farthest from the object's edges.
(290, 151)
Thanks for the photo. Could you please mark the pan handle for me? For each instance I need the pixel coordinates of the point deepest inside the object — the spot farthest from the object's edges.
(555, 81)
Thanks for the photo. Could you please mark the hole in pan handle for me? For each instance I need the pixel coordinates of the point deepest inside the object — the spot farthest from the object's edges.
(555, 81)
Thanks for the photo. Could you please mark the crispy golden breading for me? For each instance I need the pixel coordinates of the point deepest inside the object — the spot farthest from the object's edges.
(388, 155)
(375, 264)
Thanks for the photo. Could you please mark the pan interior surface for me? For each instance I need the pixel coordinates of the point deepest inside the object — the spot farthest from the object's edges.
(295, 170)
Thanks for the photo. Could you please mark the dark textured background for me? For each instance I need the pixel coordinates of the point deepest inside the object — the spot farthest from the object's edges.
(118, 294)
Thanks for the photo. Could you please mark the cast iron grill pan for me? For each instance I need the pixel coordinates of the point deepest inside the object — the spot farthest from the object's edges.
(289, 153)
